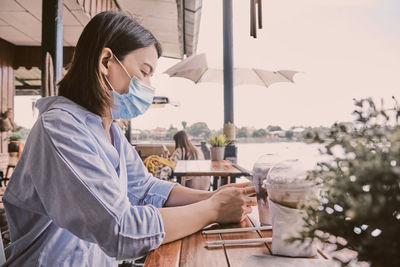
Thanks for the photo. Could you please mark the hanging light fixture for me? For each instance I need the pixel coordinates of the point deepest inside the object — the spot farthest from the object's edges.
(255, 4)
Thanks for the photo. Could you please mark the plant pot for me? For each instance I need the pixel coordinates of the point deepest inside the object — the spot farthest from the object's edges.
(13, 146)
(12, 158)
(217, 153)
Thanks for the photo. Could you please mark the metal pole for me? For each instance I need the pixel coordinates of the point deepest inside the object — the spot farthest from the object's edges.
(128, 133)
(52, 37)
(228, 61)
(229, 128)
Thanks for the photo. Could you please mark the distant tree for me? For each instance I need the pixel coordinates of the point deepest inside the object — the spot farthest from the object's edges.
(289, 134)
(260, 133)
(272, 128)
(242, 132)
(171, 131)
(144, 135)
(199, 129)
(184, 123)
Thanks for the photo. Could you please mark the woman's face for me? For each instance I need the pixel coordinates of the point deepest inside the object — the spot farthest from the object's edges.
(140, 63)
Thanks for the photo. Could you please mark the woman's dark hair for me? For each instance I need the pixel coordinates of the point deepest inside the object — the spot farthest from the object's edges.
(84, 84)
(188, 150)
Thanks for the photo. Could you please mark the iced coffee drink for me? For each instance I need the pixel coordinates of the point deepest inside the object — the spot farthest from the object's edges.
(288, 193)
(287, 184)
(260, 172)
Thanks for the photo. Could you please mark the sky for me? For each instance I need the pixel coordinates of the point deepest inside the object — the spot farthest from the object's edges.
(343, 49)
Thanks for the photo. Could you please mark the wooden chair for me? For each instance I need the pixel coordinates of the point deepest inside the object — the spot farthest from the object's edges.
(9, 168)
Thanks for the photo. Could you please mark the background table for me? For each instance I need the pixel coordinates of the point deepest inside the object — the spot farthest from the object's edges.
(190, 251)
(224, 169)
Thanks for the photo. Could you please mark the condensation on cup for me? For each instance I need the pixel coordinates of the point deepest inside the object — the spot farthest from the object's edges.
(260, 172)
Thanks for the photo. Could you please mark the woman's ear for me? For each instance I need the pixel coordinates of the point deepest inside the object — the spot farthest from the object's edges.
(105, 57)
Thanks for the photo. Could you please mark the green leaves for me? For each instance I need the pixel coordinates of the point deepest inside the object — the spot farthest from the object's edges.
(361, 185)
(219, 140)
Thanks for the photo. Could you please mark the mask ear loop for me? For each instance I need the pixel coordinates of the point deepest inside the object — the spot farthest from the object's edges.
(108, 82)
(130, 77)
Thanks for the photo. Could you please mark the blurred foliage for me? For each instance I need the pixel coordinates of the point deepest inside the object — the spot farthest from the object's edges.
(359, 207)
(184, 124)
(171, 132)
(145, 134)
(260, 133)
(199, 129)
(289, 134)
(272, 128)
(21, 134)
(242, 132)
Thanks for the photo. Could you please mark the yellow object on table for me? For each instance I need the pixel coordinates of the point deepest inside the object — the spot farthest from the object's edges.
(152, 161)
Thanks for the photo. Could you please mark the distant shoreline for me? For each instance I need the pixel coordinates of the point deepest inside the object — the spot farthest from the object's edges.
(252, 140)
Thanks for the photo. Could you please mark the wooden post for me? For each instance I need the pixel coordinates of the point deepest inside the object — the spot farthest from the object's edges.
(52, 39)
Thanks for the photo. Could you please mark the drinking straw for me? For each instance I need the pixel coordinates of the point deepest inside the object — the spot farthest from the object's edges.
(237, 230)
(237, 242)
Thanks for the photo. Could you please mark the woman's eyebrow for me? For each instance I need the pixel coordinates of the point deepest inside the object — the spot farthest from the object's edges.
(148, 65)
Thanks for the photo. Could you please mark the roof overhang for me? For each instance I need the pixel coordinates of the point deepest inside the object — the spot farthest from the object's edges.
(175, 23)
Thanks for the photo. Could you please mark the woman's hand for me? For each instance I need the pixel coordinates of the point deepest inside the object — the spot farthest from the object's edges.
(241, 185)
(165, 154)
(221, 188)
(231, 204)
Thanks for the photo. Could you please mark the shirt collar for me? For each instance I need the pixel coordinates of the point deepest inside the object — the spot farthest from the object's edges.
(63, 103)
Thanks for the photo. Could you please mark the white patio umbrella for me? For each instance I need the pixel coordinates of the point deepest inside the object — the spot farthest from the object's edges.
(196, 69)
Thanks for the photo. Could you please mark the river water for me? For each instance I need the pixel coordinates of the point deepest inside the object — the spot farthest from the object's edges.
(309, 154)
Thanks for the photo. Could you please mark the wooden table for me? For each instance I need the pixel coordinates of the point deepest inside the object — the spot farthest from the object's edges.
(190, 251)
(224, 169)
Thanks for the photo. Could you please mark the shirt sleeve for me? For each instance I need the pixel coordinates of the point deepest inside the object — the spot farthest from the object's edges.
(80, 192)
(143, 187)
(177, 155)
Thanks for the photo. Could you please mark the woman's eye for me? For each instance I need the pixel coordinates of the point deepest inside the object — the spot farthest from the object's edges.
(144, 73)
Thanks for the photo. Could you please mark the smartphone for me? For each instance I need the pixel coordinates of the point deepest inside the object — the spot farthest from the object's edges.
(165, 147)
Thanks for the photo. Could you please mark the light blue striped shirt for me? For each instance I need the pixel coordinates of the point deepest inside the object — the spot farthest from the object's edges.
(74, 199)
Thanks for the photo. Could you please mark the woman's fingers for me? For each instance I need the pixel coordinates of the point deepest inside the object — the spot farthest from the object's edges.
(249, 190)
(241, 185)
(246, 210)
(251, 201)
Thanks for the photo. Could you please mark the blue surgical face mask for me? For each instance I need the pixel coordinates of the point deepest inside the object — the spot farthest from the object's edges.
(135, 102)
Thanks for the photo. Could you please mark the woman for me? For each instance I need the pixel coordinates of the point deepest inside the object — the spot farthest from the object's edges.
(80, 195)
(185, 150)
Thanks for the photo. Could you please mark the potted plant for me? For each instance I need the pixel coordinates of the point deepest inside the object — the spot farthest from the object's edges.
(218, 143)
(359, 207)
(15, 147)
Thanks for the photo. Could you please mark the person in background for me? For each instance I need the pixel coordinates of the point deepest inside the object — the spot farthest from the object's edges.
(80, 194)
(185, 150)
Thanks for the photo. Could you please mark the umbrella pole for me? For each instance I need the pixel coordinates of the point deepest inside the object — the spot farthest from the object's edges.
(230, 151)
